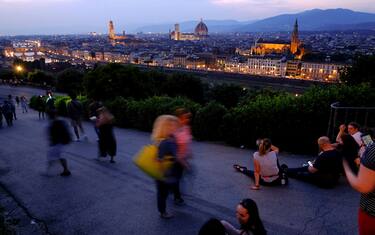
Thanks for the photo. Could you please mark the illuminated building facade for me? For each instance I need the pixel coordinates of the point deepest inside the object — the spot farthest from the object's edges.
(295, 46)
(112, 34)
(267, 66)
(200, 33)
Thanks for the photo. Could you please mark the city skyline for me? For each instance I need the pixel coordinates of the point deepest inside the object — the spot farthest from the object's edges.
(83, 16)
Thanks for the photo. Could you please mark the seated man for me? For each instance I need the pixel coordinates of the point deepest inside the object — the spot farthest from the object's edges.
(324, 171)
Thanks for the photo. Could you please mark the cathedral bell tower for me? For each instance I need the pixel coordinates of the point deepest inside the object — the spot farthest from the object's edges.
(294, 44)
(111, 28)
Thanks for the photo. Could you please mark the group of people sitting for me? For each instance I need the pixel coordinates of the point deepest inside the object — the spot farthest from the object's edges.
(352, 154)
(324, 171)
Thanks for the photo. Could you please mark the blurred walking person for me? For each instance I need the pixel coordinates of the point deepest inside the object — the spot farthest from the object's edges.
(40, 107)
(162, 135)
(93, 113)
(364, 182)
(8, 113)
(107, 140)
(18, 101)
(75, 112)
(10, 100)
(24, 104)
(50, 104)
(183, 137)
(59, 136)
(1, 116)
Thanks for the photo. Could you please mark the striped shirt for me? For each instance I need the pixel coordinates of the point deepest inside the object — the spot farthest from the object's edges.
(367, 202)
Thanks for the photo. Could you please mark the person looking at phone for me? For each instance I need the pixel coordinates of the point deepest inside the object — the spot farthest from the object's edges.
(324, 171)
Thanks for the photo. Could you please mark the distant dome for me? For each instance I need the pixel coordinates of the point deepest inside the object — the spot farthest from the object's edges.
(201, 29)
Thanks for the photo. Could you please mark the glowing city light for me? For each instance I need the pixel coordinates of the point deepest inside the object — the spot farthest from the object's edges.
(19, 68)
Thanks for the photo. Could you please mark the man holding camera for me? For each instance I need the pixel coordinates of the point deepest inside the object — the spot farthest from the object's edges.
(324, 171)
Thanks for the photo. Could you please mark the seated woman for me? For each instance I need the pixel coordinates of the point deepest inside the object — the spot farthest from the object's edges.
(349, 150)
(267, 170)
(248, 216)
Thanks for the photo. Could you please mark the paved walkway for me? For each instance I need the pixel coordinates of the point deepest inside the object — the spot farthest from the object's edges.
(104, 198)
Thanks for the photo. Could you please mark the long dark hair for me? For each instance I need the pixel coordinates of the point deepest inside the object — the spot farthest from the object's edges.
(254, 224)
(349, 146)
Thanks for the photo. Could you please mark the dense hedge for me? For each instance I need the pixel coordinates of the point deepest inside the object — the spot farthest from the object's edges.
(208, 122)
(292, 122)
(142, 114)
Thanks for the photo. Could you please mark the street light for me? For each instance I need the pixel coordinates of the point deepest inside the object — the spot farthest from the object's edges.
(19, 68)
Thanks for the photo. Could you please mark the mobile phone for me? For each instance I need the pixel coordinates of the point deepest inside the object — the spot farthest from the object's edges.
(310, 163)
(367, 140)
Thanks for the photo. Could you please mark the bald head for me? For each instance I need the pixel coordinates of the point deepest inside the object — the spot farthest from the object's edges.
(324, 143)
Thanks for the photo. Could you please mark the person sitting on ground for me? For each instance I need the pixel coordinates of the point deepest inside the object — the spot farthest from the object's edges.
(248, 216)
(353, 130)
(364, 182)
(212, 227)
(325, 170)
(266, 166)
(349, 151)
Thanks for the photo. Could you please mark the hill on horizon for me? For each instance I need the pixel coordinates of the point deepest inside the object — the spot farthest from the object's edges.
(310, 20)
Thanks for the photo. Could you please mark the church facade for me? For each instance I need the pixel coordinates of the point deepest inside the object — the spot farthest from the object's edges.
(295, 47)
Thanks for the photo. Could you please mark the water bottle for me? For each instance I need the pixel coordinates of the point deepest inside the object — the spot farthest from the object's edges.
(283, 179)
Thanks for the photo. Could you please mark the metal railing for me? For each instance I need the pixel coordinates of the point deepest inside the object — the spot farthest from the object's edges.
(364, 116)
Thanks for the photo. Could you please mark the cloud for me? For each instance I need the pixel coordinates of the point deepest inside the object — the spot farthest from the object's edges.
(33, 1)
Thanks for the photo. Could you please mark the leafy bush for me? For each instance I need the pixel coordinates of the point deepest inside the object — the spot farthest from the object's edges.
(208, 121)
(70, 81)
(142, 114)
(61, 103)
(293, 123)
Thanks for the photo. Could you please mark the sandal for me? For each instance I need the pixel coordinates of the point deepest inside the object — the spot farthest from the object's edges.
(237, 167)
(254, 187)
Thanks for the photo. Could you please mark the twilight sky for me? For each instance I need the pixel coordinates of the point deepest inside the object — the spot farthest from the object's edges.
(82, 16)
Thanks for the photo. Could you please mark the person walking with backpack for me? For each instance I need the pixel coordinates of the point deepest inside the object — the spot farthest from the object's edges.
(59, 136)
(75, 112)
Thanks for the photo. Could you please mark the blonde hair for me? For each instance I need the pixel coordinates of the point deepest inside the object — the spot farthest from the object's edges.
(162, 127)
(264, 146)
